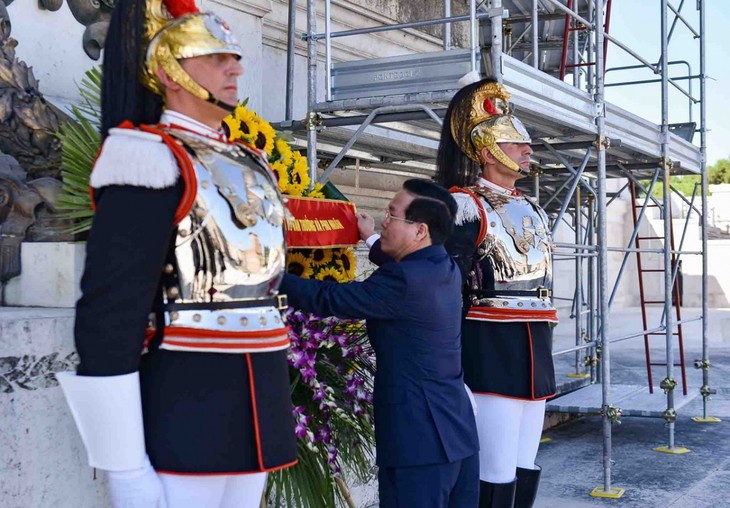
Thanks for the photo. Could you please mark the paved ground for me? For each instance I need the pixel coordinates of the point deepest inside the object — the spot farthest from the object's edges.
(572, 461)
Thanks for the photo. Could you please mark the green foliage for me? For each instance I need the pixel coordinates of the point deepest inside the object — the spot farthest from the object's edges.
(719, 172)
(80, 143)
(686, 184)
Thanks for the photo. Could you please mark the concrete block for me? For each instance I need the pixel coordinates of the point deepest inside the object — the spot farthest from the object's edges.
(42, 460)
(51, 272)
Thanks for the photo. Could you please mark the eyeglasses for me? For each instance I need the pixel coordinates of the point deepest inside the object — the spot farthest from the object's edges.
(389, 216)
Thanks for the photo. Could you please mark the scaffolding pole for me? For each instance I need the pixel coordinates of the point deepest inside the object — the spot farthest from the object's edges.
(608, 412)
(704, 364)
(311, 120)
(669, 382)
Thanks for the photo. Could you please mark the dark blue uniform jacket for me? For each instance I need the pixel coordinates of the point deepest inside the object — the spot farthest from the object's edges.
(413, 313)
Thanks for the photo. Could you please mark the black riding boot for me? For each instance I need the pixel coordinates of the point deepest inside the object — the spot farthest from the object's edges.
(526, 492)
(496, 495)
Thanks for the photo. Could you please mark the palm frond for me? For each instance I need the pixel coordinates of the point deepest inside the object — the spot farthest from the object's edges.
(80, 140)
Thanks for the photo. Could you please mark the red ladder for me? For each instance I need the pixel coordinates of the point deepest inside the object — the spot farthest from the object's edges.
(569, 22)
(675, 292)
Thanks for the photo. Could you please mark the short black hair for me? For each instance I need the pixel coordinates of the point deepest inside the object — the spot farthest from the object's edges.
(434, 206)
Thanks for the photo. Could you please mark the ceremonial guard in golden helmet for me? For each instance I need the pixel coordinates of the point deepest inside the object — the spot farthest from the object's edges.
(502, 244)
(182, 390)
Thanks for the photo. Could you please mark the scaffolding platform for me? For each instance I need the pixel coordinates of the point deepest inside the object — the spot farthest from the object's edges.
(634, 400)
(551, 110)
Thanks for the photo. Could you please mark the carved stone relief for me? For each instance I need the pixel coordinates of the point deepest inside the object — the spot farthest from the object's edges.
(30, 372)
(19, 200)
(30, 155)
(27, 123)
(94, 15)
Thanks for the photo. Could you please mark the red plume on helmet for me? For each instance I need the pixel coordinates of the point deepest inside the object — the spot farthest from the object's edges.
(489, 107)
(178, 8)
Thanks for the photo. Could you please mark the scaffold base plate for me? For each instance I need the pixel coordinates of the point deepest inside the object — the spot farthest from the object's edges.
(709, 419)
(677, 450)
(634, 400)
(614, 493)
(579, 376)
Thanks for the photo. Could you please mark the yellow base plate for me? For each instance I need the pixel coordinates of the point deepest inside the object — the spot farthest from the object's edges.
(546, 440)
(677, 450)
(614, 493)
(709, 419)
(579, 376)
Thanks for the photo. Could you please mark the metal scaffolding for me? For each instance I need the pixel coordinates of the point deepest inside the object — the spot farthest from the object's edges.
(580, 141)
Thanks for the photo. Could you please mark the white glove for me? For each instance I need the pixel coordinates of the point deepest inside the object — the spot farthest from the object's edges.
(138, 488)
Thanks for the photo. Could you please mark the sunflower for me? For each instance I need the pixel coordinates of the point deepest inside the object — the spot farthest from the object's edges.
(282, 151)
(298, 264)
(295, 189)
(232, 128)
(266, 135)
(247, 124)
(320, 257)
(299, 170)
(282, 176)
(331, 275)
(316, 192)
(345, 259)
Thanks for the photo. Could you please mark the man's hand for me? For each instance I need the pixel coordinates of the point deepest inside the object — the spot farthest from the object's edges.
(365, 225)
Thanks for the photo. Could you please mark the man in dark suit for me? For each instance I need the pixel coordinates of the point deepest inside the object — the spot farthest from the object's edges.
(426, 440)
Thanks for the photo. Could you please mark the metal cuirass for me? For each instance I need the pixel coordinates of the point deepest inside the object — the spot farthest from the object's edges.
(519, 249)
(230, 251)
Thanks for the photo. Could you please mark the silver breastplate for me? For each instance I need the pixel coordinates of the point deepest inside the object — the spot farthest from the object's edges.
(231, 246)
(519, 248)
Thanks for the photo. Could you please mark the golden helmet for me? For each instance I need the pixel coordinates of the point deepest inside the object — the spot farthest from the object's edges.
(176, 30)
(483, 120)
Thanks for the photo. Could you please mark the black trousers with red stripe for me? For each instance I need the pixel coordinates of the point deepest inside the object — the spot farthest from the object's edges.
(510, 359)
(217, 413)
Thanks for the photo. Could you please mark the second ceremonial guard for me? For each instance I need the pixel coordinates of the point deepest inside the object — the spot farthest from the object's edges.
(503, 247)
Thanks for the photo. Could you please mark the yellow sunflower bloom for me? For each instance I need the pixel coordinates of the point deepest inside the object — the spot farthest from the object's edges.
(330, 274)
(299, 171)
(345, 259)
(233, 128)
(282, 175)
(298, 264)
(294, 189)
(316, 192)
(266, 135)
(321, 257)
(283, 151)
(247, 124)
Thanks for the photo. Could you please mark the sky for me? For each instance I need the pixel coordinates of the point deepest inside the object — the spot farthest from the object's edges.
(637, 24)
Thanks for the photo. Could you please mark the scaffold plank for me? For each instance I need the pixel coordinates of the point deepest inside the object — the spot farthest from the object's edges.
(634, 400)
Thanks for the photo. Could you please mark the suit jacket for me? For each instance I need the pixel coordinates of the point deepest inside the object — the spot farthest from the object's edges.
(413, 315)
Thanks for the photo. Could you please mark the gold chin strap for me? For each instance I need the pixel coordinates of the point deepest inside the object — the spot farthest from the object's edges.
(487, 141)
(163, 59)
